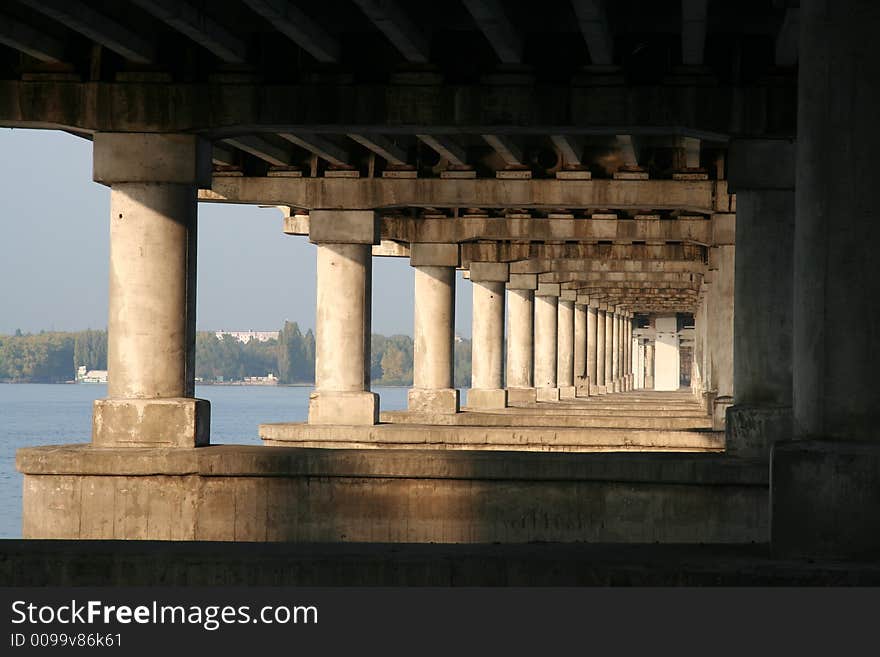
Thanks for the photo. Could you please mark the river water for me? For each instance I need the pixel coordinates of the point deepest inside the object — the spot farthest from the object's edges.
(35, 414)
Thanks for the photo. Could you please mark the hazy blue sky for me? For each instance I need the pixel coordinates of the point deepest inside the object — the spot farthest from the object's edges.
(53, 264)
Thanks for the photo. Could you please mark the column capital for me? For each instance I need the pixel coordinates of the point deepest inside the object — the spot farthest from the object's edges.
(523, 282)
(548, 290)
(434, 255)
(568, 295)
(148, 157)
(582, 300)
(489, 272)
(344, 227)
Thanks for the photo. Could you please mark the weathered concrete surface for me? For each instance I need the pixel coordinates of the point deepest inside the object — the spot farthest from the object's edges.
(825, 499)
(501, 436)
(753, 428)
(306, 495)
(146, 563)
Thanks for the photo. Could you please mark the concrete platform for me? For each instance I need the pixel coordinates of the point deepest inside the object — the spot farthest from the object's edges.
(501, 437)
(147, 563)
(538, 417)
(255, 493)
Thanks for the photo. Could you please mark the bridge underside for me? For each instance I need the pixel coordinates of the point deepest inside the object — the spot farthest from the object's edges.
(626, 194)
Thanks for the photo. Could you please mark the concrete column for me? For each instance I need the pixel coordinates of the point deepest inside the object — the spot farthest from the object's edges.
(761, 174)
(342, 326)
(627, 351)
(592, 343)
(601, 351)
(720, 312)
(565, 345)
(521, 338)
(615, 351)
(487, 356)
(825, 496)
(151, 326)
(434, 327)
(649, 366)
(609, 350)
(546, 323)
(581, 378)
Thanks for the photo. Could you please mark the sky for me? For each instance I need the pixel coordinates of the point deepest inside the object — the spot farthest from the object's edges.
(54, 245)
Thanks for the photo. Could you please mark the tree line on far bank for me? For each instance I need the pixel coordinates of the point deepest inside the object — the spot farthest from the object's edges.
(54, 356)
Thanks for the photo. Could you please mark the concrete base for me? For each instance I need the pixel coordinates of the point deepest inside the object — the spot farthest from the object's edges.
(177, 422)
(719, 412)
(582, 391)
(485, 398)
(547, 394)
(539, 416)
(752, 430)
(521, 396)
(433, 400)
(596, 390)
(244, 493)
(353, 408)
(825, 499)
(567, 392)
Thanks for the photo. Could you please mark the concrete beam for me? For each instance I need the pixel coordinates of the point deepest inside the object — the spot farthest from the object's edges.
(497, 28)
(320, 146)
(693, 31)
(691, 147)
(83, 19)
(446, 148)
(223, 156)
(288, 19)
(381, 146)
(504, 146)
(466, 229)
(542, 265)
(787, 39)
(504, 251)
(594, 28)
(262, 150)
(692, 196)
(26, 39)
(199, 27)
(397, 28)
(686, 280)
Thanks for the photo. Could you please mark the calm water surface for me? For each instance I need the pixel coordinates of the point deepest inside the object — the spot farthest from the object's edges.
(35, 414)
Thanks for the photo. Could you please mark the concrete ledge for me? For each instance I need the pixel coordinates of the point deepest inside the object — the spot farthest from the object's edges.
(751, 429)
(482, 398)
(501, 437)
(238, 493)
(176, 422)
(343, 407)
(825, 499)
(425, 400)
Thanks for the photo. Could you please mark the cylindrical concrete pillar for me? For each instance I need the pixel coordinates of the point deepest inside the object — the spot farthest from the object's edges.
(610, 350)
(581, 381)
(649, 366)
(546, 336)
(152, 291)
(487, 358)
(341, 395)
(565, 349)
(434, 341)
(601, 333)
(520, 338)
(592, 338)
